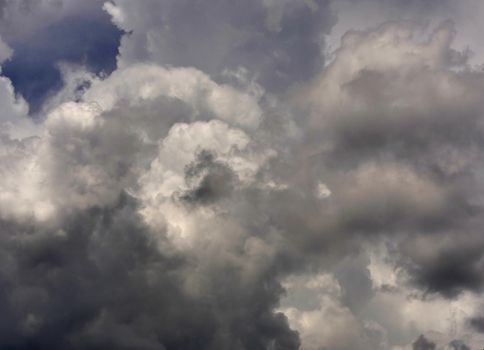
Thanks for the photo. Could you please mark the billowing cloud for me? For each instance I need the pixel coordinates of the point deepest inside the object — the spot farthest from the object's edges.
(69, 186)
(403, 129)
(228, 186)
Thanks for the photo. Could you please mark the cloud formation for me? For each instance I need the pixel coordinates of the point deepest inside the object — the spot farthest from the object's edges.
(277, 42)
(423, 343)
(230, 185)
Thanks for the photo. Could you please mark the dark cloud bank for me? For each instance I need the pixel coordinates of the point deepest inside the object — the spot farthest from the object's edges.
(102, 283)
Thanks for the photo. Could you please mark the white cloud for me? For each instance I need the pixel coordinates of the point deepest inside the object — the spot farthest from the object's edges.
(87, 154)
(139, 83)
(5, 51)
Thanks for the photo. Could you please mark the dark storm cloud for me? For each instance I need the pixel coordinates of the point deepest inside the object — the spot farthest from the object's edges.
(439, 264)
(208, 179)
(477, 323)
(92, 278)
(423, 343)
(103, 283)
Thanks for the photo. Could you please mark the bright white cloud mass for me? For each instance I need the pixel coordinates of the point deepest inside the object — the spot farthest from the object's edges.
(251, 175)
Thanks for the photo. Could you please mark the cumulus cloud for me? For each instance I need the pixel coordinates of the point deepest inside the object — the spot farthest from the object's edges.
(396, 121)
(229, 187)
(387, 137)
(81, 167)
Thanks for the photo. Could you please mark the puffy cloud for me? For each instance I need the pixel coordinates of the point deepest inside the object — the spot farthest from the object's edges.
(139, 83)
(316, 303)
(86, 151)
(361, 15)
(393, 127)
(13, 116)
(176, 149)
(5, 51)
(401, 130)
(237, 193)
(316, 307)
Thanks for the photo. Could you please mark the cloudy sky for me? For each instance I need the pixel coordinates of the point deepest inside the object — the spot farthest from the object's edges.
(241, 175)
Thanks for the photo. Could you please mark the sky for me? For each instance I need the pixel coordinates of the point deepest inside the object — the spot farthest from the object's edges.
(241, 175)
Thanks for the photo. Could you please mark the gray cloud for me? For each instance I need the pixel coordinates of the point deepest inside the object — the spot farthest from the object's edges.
(101, 282)
(440, 264)
(458, 345)
(278, 42)
(208, 180)
(389, 130)
(477, 323)
(292, 203)
(423, 343)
